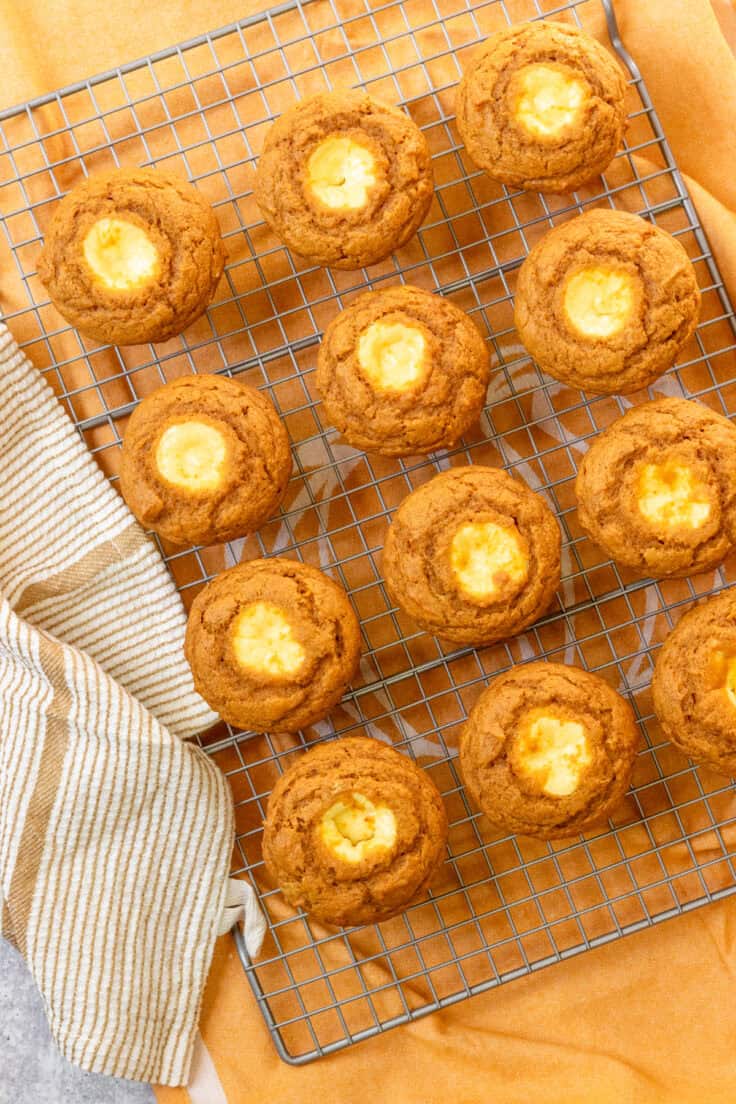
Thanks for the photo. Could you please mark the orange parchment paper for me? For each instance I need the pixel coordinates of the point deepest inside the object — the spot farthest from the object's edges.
(651, 1018)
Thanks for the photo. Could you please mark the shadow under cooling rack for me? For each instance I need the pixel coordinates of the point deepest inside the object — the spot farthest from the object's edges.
(502, 906)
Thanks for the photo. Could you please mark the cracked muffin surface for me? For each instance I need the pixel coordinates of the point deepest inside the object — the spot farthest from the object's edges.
(606, 301)
(656, 490)
(354, 832)
(205, 459)
(548, 750)
(344, 180)
(272, 644)
(541, 107)
(473, 555)
(402, 371)
(132, 255)
(694, 683)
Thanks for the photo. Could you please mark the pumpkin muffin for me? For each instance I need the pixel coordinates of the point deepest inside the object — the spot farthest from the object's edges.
(541, 107)
(473, 556)
(354, 832)
(402, 372)
(694, 683)
(548, 750)
(606, 301)
(657, 489)
(344, 180)
(132, 255)
(205, 459)
(272, 644)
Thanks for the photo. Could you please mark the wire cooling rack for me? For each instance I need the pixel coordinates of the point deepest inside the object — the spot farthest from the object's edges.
(502, 906)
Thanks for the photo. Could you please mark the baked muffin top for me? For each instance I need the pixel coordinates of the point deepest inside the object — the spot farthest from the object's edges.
(205, 459)
(541, 106)
(694, 683)
(657, 489)
(473, 555)
(354, 831)
(402, 371)
(132, 255)
(606, 301)
(343, 179)
(273, 644)
(548, 750)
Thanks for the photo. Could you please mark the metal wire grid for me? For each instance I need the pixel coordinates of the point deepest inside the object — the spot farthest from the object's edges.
(503, 906)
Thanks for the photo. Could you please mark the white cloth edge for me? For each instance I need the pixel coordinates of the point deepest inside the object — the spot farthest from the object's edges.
(242, 907)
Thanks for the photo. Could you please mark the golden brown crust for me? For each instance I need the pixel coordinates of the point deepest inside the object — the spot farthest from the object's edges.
(667, 430)
(256, 472)
(380, 886)
(181, 225)
(689, 683)
(416, 555)
(322, 621)
(502, 147)
(513, 800)
(662, 320)
(343, 238)
(429, 415)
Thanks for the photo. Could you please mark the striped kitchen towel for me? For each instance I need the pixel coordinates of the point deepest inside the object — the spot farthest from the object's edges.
(115, 835)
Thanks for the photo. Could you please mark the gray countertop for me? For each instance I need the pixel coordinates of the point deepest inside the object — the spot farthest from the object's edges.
(31, 1069)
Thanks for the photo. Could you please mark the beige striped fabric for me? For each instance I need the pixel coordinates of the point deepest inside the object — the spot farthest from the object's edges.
(115, 835)
(74, 562)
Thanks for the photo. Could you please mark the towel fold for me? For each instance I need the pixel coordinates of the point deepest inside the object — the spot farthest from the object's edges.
(115, 835)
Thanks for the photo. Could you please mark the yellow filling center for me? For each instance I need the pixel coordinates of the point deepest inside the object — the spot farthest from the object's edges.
(671, 495)
(392, 355)
(487, 557)
(120, 254)
(731, 681)
(598, 301)
(554, 751)
(723, 673)
(263, 641)
(340, 173)
(550, 99)
(191, 455)
(354, 828)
